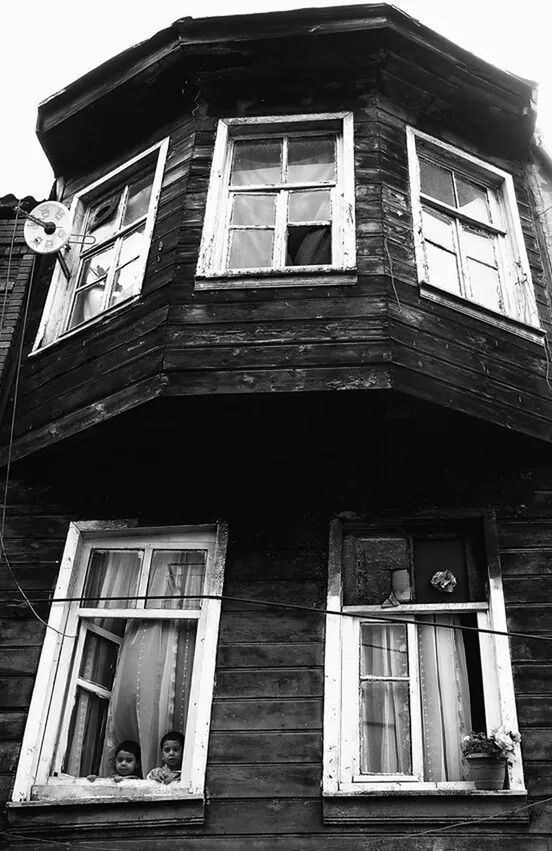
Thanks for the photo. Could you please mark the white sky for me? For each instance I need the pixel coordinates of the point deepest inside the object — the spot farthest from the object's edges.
(46, 45)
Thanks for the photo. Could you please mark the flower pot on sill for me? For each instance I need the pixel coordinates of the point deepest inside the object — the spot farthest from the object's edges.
(487, 772)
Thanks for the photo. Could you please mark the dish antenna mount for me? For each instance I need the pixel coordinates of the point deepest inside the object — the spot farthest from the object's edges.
(48, 230)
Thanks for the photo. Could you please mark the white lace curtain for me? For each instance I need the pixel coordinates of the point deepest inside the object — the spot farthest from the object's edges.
(444, 695)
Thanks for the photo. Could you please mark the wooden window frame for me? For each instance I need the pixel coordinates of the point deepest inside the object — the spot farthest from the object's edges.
(46, 729)
(212, 272)
(61, 294)
(341, 666)
(519, 308)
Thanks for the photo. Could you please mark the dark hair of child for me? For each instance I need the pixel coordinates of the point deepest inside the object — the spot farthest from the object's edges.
(129, 746)
(173, 736)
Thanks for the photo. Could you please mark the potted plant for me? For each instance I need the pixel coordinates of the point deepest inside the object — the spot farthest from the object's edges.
(487, 756)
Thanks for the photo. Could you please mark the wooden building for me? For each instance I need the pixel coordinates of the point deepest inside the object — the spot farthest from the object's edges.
(299, 362)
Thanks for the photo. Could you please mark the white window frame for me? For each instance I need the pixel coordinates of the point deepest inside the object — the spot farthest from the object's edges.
(516, 288)
(212, 272)
(59, 301)
(341, 751)
(48, 716)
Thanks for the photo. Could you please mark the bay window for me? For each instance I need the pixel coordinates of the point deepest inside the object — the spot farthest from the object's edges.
(468, 238)
(280, 202)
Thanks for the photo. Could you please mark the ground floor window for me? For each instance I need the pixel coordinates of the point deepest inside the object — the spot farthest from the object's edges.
(128, 659)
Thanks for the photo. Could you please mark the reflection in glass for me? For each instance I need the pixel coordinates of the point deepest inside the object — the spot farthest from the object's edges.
(131, 246)
(310, 206)
(472, 199)
(139, 193)
(479, 246)
(442, 268)
(311, 159)
(88, 303)
(309, 245)
(253, 210)
(125, 283)
(438, 228)
(436, 182)
(99, 659)
(86, 734)
(174, 573)
(250, 249)
(103, 217)
(256, 162)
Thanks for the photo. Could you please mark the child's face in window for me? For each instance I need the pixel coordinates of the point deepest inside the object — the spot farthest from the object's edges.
(172, 754)
(125, 763)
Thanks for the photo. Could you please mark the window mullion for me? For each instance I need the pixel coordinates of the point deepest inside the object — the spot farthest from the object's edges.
(279, 256)
(416, 730)
(144, 577)
(462, 260)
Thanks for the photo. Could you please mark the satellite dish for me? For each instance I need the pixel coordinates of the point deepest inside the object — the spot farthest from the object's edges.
(48, 227)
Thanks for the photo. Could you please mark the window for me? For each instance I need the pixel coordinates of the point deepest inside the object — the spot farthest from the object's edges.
(280, 207)
(129, 655)
(468, 237)
(106, 259)
(412, 672)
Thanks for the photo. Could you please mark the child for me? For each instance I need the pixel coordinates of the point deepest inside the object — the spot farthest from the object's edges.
(127, 763)
(172, 745)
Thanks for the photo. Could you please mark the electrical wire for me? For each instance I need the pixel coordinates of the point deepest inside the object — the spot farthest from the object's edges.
(372, 616)
(8, 272)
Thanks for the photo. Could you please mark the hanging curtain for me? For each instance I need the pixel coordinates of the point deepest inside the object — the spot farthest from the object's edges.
(385, 716)
(152, 684)
(445, 695)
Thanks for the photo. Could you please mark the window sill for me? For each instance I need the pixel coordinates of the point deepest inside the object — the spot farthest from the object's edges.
(435, 806)
(111, 810)
(477, 311)
(67, 335)
(298, 277)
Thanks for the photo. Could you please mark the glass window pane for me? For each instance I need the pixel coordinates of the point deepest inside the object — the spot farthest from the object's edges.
(438, 228)
(102, 221)
(383, 650)
(312, 206)
(139, 193)
(151, 690)
(250, 249)
(385, 728)
(86, 734)
(132, 246)
(436, 182)
(479, 246)
(443, 268)
(472, 199)
(484, 285)
(126, 282)
(88, 303)
(176, 572)
(309, 246)
(258, 162)
(96, 268)
(99, 660)
(311, 159)
(253, 210)
(112, 579)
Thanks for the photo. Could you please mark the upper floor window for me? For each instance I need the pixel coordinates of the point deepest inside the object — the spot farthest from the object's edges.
(414, 666)
(129, 656)
(113, 221)
(280, 201)
(467, 230)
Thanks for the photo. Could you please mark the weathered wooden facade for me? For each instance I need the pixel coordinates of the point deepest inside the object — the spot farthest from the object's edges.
(280, 402)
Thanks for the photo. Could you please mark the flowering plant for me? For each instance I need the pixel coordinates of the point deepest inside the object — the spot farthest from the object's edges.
(499, 743)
